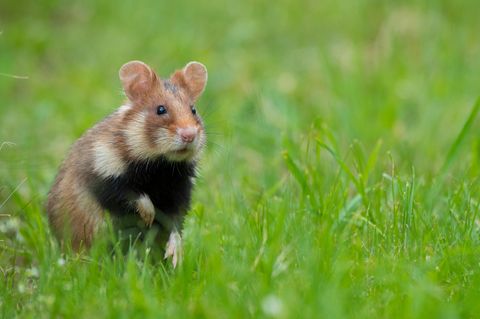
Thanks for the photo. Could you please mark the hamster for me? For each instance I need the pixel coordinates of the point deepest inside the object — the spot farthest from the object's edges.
(139, 161)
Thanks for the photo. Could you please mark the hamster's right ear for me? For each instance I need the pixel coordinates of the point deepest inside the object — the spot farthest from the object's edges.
(137, 80)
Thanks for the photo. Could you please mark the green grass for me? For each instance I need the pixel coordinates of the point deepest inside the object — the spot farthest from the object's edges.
(340, 179)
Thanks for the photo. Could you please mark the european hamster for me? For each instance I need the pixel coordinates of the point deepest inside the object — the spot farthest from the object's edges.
(139, 161)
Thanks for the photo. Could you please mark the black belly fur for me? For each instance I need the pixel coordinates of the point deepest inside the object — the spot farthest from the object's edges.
(168, 184)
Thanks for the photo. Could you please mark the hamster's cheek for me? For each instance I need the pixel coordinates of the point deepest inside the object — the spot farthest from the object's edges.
(165, 141)
(202, 139)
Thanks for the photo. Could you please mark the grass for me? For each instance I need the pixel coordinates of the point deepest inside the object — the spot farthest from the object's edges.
(340, 179)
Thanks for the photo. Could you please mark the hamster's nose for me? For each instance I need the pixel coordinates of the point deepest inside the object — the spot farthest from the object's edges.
(187, 134)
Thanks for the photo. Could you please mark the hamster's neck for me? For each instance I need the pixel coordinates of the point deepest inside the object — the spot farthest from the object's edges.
(160, 166)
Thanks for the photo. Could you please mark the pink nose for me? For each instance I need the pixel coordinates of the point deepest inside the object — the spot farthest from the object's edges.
(187, 134)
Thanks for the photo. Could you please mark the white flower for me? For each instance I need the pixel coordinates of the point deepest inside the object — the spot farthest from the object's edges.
(21, 288)
(61, 261)
(33, 272)
(272, 306)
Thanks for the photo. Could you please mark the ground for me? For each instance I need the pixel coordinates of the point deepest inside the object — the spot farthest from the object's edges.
(340, 178)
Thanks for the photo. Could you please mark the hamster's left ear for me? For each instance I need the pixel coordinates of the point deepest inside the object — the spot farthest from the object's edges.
(192, 77)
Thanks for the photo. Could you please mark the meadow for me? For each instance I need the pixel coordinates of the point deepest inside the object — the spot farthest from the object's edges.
(340, 178)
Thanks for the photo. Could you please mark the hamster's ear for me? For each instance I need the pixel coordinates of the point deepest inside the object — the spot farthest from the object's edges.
(192, 77)
(137, 80)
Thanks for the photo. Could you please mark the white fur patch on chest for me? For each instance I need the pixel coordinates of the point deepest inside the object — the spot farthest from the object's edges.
(107, 161)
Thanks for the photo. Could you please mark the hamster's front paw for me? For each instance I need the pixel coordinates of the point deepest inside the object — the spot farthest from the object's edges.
(145, 209)
(174, 248)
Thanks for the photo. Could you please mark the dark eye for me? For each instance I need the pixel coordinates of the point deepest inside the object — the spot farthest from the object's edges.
(194, 110)
(161, 110)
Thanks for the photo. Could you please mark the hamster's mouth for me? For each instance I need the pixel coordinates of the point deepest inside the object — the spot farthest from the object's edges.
(183, 150)
(181, 154)
(186, 148)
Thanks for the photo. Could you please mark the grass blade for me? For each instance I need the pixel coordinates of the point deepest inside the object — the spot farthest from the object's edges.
(455, 148)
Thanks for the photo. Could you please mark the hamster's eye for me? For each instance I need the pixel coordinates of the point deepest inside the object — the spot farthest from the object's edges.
(161, 110)
(194, 110)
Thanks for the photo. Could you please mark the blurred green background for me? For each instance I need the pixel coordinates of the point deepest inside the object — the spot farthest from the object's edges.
(404, 73)
(290, 84)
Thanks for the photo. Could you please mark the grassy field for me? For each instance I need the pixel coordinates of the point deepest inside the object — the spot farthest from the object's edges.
(340, 179)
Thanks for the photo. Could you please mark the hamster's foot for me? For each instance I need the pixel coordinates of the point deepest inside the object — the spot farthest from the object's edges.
(174, 248)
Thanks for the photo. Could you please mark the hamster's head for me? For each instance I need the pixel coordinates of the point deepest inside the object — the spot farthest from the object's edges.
(160, 117)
